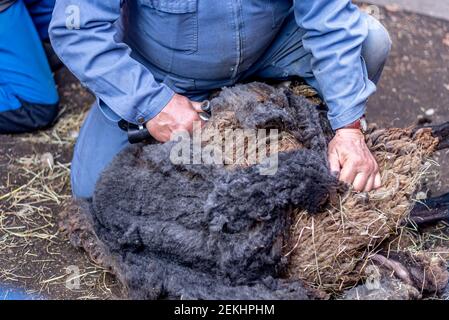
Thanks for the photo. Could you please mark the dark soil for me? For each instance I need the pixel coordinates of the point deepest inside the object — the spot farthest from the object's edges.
(416, 79)
(28, 261)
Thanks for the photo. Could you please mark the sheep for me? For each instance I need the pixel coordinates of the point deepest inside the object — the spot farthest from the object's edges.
(226, 231)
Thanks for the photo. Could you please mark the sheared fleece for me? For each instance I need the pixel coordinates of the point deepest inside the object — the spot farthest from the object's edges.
(204, 231)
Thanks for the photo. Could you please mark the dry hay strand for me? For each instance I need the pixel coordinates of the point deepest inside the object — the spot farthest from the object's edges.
(331, 249)
(434, 240)
(27, 219)
(65, 132)
(25, 210)
(69, 120)
(43, 183)
(32, 248)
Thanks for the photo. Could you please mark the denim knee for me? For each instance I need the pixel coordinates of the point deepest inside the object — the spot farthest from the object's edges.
(376, 48)
(99, 141)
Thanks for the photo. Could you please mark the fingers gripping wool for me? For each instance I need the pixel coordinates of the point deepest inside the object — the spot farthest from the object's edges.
(204, 231)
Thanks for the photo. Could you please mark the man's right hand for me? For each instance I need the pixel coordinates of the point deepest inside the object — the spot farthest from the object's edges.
(178, 115)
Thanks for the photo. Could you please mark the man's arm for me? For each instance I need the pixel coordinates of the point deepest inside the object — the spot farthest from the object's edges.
(92, 52)
(101, 62)
(335, 32)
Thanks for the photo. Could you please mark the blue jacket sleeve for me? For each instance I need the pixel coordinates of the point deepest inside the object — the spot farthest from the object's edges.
(84, 35)
(334, 33)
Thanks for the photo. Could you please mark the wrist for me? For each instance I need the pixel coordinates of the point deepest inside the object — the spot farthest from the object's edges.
(346, 133)
(359, 125)
(158, 103)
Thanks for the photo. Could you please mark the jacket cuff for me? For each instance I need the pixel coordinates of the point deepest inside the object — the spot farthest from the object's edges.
(143, 112)
(348, 116)
(158, 102)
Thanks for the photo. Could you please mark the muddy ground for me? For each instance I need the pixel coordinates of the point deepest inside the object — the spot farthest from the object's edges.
(34, 168)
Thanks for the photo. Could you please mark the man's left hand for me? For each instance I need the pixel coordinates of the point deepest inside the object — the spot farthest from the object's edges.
(352, 161)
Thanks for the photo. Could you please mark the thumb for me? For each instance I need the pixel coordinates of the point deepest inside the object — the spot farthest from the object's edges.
(334, 164)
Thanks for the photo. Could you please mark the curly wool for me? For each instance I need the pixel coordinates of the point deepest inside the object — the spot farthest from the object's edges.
(206, 232)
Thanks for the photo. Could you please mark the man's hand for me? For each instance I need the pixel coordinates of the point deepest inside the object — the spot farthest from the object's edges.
(352, 161)
(178, 115)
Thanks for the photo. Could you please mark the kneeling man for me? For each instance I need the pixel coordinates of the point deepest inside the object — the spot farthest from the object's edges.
(150, 62)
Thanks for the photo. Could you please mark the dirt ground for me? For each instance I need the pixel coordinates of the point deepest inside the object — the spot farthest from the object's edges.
(34, 186)
(34, 168)
(416, 79)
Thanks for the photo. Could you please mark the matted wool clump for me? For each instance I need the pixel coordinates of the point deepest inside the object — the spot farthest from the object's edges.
(331, 248)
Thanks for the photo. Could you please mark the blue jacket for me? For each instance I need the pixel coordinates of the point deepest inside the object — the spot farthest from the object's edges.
(124, 50)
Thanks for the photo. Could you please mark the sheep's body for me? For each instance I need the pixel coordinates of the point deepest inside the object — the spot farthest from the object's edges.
(202, 231)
